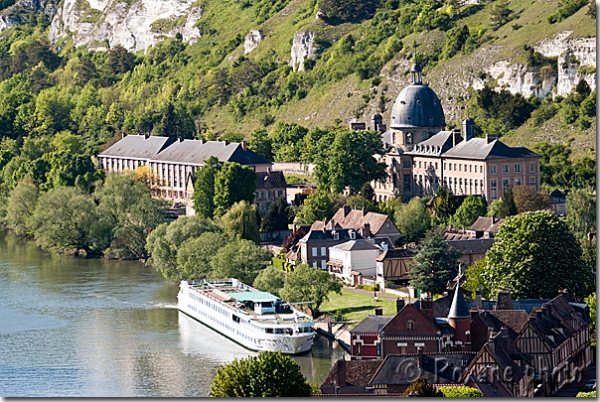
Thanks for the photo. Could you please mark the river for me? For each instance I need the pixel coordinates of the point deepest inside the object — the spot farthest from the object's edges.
(96, 328)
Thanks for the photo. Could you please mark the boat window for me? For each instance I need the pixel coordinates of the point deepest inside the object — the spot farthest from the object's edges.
(269, 330)
(279, 330)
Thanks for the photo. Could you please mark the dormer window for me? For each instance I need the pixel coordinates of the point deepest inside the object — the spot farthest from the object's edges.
(352, 234)
(410, 325)
(336, 235)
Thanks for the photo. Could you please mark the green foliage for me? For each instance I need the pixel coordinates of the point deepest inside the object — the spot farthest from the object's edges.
(435, 263)
(20, 208)
(474, 279)
(241, 259)
(566, 8)
(370, 288)
(412, 220)
(444, 204)
(270, 280)
(309, 285)
(527, 199)
(529, 254)
(276, 217)
(195, 254)
(590, 394)
(500, 14)
(461, 392)
(455, 41)
(472, 208)
(261, 144)
(319, 205)
(233, 183)
(351, 10)
(269, 374)
(287, 141)
(204, 187)
(591, 302)
(240, 221)
(557, 170)
(499, 111)
(421, 387)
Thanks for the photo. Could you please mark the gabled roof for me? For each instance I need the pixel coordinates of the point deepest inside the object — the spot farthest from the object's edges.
(356, 245)
(269, 180)
(485, 224)
(471, 246)
(357, 373)
(437, 368)
(356, 218)
(138, 147)
(435, 145)
(402, 253)
(480, 149)
(328, 235)
(372, 324)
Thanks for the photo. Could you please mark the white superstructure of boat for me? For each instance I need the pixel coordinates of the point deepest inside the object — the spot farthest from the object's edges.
(256, 320)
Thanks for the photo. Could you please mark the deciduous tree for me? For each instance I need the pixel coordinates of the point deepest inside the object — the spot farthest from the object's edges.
(287, 141)
(319, 205)
(310, 286)
(270, 280)
(423, 389)
(276, 217)
(435, 264)
(472, 208)
(241, 259)
(240, 221)
(20, 208)
(527, 199)
(581, 211)
(412, 220)
(204, 187)
(535, 255)
(233, 183)
(195, 254)
(269, 374)
(461, 392)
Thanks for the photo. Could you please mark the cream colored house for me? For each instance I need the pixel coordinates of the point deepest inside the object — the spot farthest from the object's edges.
(354, 258)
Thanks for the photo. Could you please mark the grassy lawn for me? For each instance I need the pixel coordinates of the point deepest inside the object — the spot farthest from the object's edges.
(356, 306)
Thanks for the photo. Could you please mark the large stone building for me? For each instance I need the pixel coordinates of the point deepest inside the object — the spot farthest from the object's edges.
(421, 156)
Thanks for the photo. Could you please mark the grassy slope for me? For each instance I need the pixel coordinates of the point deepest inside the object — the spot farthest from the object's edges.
(342, 99)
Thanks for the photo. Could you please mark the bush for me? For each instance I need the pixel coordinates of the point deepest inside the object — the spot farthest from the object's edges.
(368, 287)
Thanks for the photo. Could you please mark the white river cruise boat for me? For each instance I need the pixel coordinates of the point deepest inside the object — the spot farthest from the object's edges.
(256, 320)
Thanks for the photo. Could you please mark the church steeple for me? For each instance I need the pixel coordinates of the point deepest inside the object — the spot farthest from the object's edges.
(415, 72)
(459, 308)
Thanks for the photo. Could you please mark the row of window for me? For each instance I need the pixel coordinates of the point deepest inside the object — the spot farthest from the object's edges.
(268, 193)
(494, 190)
(516, 168)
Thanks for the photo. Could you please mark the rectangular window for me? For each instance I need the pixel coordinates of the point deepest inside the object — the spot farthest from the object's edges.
(436, 166)
(445, 166)
(455, 167)
(504, 169)
(459, 167)
(314, 252)
(268, 194)
(323, 264)
(471, 168)
(517, 168)
(315, 264)
(532, 167)
(419, 164)
(517, 182)
(505, 184)
(323, 251)
(532, 179)
(258, 195)
(493, 169)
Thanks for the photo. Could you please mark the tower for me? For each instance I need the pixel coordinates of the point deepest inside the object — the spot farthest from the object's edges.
(459, 319)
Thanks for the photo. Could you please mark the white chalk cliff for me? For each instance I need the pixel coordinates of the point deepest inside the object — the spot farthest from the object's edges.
(135, 25)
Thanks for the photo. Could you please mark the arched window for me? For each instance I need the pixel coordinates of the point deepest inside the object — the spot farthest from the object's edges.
(410, 324)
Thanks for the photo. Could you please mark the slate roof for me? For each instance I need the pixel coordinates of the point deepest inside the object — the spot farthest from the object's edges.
(472, 246)
(417, 105)
(372, 324)
(480, 149)
(358, 372)
(359, 244)
(437, 368)
(485, 224)
(399, 253)
(327, 235)
(269, 180)
(435, 145)
(189, 152)
(459, 308)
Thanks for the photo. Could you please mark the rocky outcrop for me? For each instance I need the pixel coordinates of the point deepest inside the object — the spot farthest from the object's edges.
(302, 48)
(19, 12)
(571, 53)
(252, 40)
(136, 26)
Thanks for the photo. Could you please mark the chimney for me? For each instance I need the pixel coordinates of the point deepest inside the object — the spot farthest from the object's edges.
(366, 230)
(491, 137)
(504, 332)
(346, 210)
(504, 301)
(123, 134)
(377, 119)
(146, 136)
(456, 137)
(478, 302)
(341, 373)
(564, 293)
(468, 128)
(226, 142)
(244, 146)
(179, 139)
(399, 305)
(379, 311)
(358, 126)
(427, 308)
(202, 141)
(365, 211)
(420, 357)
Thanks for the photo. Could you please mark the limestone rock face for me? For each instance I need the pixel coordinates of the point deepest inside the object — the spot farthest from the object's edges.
(517, 79)
(105, 24)
(17, 13)
(302, 48)
(252, 40)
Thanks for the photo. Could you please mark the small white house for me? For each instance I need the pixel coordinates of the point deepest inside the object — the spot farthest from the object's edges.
(353, 258)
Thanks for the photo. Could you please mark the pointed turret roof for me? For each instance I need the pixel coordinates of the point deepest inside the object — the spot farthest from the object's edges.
(459, 308)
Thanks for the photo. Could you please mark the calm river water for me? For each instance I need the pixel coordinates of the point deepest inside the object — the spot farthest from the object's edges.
(94, 328)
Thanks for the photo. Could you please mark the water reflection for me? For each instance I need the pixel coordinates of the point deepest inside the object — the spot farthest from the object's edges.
(95, 328)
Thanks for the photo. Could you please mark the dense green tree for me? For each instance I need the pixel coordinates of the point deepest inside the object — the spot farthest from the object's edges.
(195, 254)
(204, 187)
(474, 279)
(164, 242)
(168, 122)
(529, 256)
(472, 207)
(20, 208)
(460, 392)
(455, 41)
(527, 199)
(269, 374)
(270, 280)
(581, 211)
(591, 302)
(310, 286)
(350, 10)
(588, 253)
(276, 217)
(423, 389)
(64, 221)
(240, 221)
(444, 204)
(319, 205)
(412, 220)
(233, 183)
(241, 259)
(261, 144)
(349, 161)
(119, 60)
(53, 110)
(500, 14)
(287, 141)
(435, 264)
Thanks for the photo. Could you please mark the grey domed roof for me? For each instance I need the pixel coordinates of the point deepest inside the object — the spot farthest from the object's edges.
(417, 106)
